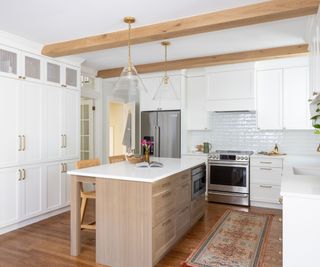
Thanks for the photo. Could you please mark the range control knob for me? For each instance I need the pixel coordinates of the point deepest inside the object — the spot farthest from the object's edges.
(246, 157)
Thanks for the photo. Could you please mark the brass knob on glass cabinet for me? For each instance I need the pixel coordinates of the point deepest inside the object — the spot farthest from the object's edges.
(24, 78)
(20, 77)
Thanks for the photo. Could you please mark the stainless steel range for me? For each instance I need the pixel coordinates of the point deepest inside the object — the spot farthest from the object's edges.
(229, 177)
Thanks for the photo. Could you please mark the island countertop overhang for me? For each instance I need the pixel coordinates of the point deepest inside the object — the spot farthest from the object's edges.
(129, 172)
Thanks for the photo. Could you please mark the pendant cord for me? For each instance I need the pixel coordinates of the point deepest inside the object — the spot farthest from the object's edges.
(129, 48)
(166, 60)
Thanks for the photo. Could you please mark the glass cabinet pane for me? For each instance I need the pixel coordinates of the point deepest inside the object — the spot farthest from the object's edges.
(8, 61)
(53, 73)
(32, 67)
(71, 77)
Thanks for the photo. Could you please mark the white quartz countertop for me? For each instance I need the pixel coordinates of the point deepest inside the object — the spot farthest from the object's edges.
(301, 185)
(127, 171)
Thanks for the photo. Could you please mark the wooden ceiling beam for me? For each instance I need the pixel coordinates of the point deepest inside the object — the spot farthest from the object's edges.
(246, 56)
(225, 19)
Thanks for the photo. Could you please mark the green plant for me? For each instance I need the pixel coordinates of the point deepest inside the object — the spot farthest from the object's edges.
(316, 120)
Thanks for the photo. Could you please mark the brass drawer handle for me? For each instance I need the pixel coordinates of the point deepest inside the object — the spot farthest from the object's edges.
(182, 211)
(266, 169)
(166, 184)
(166, 222)
(166, 195)
(266, 186)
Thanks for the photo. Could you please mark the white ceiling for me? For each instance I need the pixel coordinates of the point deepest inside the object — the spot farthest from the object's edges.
(48, 21)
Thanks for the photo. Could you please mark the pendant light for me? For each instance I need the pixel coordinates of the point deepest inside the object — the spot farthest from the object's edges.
(165, 90)
(129, 83)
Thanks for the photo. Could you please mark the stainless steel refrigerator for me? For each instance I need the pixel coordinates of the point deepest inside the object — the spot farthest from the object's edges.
(164, 129)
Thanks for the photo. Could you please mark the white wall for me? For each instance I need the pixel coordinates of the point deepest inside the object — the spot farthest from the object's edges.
(238, 131)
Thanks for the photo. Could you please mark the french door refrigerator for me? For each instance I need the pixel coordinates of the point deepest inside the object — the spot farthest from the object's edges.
(164, 129)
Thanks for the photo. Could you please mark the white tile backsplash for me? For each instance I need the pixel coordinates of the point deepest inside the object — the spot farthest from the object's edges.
(238, 130)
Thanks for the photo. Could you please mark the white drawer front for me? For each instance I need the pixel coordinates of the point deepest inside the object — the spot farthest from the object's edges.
(266, 162)
(265, 193)
(265, 175)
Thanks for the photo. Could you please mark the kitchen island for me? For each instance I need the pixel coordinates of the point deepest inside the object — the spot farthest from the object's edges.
(140, 212)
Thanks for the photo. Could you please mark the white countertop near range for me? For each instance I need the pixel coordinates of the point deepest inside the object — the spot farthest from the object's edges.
(301, 185)
(129, 172)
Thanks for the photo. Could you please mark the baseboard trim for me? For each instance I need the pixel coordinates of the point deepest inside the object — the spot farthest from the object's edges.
(38, 218)
(265, 205)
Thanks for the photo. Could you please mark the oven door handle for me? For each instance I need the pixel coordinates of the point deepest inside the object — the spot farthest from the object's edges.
(230, 165)
(230, 194)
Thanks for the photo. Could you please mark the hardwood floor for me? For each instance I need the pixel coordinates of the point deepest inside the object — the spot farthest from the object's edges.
(47, 244)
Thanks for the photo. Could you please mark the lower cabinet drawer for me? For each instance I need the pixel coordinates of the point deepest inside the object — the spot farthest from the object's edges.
(265, 193)
(183, 220)
(164, 235)
(268, 175)
(183, 194)
(163, 205)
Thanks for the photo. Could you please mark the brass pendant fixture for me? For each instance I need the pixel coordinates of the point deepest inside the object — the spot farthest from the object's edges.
(129, 83)
(165, 90)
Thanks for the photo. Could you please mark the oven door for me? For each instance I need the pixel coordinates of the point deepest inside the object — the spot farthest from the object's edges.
(229, 177)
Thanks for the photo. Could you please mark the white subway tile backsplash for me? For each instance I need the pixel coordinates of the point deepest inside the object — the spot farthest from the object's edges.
(238, 130)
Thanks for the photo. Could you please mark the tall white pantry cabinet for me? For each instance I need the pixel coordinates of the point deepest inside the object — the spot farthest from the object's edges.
(39, 114)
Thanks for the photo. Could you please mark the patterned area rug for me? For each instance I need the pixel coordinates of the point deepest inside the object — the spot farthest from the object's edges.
(237, 240)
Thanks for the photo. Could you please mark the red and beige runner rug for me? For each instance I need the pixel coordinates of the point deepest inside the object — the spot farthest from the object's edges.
(237, 240)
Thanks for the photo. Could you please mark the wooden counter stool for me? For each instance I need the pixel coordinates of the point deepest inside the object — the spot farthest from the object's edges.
(115, 159)
(85, 195)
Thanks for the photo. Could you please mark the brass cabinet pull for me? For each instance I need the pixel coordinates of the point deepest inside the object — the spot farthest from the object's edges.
(185, 185)
(182, 211)
(166, 195)
(23, 143)
(65, 140)
(266, 186)
(65, 167)
(20, 175)
(166, 184)
(266, 169)
(62, 141)
(166, 222)
(62, 167)
(20, 143)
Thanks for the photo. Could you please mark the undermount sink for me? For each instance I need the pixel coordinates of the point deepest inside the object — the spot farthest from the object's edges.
(306, 171)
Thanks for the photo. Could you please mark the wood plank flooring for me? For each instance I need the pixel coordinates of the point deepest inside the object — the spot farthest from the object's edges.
(47, 243)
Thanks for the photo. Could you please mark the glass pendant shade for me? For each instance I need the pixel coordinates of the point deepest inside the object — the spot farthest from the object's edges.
(129, 84)
(165, 90)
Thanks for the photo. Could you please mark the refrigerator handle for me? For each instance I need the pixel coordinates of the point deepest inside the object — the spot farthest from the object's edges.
(158, 141)
(155, 144)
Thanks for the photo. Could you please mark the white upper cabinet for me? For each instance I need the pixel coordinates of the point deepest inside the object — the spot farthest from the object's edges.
(32, 67)
(231, 88)
(197, 118)
(152, 84)
(269, 98)
(9, 65)
(282, 88)
(296, 112)
(62, 75)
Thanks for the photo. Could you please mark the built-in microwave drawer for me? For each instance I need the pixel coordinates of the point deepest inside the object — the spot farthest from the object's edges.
(266, 162)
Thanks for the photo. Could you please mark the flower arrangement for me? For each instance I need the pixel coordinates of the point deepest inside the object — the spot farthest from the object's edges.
(316, 122)
(146, 144)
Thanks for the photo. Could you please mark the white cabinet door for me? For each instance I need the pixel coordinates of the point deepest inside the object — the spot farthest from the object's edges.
(32, 67)
(54, 186)
(152, 84)
(31, 116)
(54, 122)
(9, 196)
(269, 95)
(32, 184)
(197, 118)
(296, 113)
(71, 123)
(230, 85)
(9, 62)
(10, 120)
